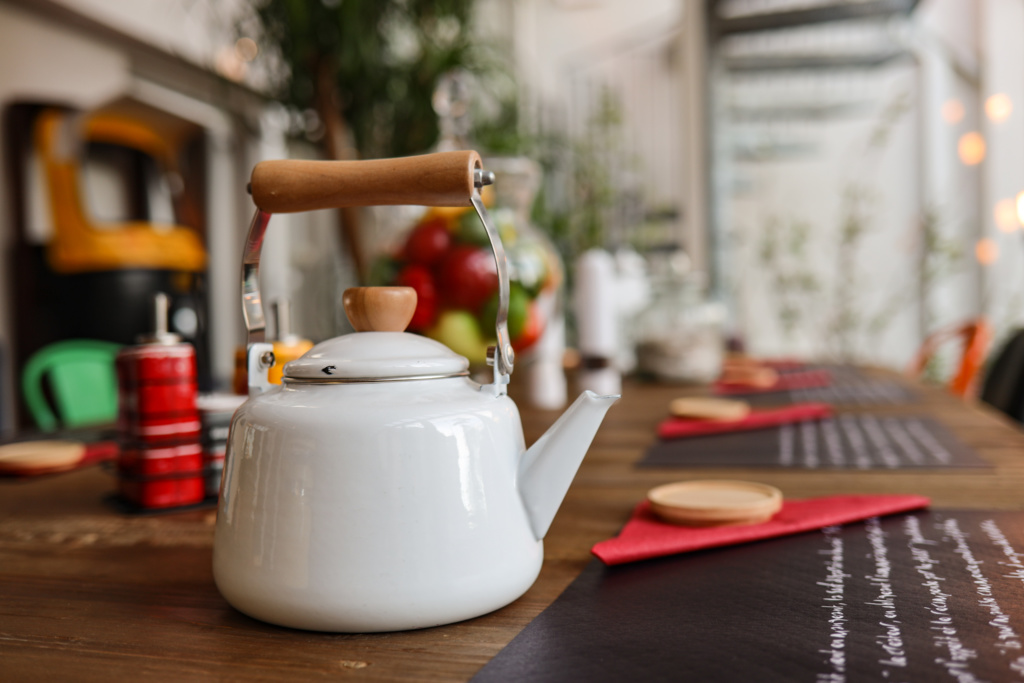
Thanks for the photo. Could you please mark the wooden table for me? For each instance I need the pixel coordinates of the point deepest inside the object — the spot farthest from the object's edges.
(89, 595)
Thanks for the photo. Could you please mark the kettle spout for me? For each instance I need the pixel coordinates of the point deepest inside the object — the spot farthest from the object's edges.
(549, 466)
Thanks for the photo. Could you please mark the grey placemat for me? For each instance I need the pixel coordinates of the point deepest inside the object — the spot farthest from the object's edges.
(844, 442)
(918, 597)
(849, 386)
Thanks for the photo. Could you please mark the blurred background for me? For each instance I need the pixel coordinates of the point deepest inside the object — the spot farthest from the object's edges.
(825, 179)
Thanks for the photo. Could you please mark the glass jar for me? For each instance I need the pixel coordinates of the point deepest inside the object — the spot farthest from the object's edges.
(679, 335)
(444, 254)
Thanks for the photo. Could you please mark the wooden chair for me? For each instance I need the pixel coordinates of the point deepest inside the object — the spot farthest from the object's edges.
(1004, 385)
(975, 336)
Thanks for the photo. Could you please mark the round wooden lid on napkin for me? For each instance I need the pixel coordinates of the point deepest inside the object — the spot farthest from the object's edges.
(715, 502)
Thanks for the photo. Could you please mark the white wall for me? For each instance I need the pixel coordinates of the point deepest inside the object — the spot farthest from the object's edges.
(552, 38)
(195, 30)
(810, 188)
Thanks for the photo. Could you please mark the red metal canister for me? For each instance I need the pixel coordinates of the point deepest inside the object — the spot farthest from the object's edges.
(157, 384)
(161, 463)
(151, 461)
(161, 492)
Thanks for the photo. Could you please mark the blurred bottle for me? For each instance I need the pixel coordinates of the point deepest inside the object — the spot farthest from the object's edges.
(632, 295)
(289, 345)
(679, 335)
(597, 322)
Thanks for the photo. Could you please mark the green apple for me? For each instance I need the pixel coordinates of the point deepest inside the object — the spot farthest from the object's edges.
(460, 332)
(383, 271)
(471, 231)
(518, 303)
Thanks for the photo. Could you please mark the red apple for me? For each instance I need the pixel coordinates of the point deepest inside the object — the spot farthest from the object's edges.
(467, 277)
(428, 242)
(532, 329)
(420, 279)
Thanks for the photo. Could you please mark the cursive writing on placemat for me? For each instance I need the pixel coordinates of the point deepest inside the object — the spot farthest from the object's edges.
(922, 596)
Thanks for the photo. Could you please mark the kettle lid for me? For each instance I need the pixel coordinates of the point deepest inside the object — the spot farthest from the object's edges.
(379, 350)
(376, 356)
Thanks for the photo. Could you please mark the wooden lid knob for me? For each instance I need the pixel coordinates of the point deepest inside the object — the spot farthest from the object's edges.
(379, 309)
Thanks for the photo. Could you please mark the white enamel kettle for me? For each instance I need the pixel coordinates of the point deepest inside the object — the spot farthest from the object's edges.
(378, 488)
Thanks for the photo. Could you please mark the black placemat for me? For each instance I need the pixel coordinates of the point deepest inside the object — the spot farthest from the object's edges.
(928, 596)
(843, 442)
(849, 386)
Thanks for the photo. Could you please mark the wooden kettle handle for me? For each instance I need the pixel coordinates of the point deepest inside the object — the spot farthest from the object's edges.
(440, 179)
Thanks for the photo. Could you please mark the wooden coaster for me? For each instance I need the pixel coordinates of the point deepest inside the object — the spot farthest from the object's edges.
(754, 376)
(739, 360)
(33, 456)
(709, 408)
(715, 502)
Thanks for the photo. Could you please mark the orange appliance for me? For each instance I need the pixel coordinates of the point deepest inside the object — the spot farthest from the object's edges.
(120, 223)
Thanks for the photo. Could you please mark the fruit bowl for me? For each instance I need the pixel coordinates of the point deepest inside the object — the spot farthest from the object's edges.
(446, 257)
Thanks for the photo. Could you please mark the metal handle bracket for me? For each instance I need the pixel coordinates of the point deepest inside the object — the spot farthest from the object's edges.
(502, 358)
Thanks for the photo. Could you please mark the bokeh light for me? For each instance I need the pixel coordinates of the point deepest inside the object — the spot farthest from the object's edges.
(1020, 208)
(971, 148)
(952, 111)
(246, 49)
(998, 107)
(986, 251)
(230, 65)
(1006, 215)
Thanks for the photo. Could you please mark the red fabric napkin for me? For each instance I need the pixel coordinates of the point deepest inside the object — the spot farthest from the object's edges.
(678, 427)
(645, 536)
(800, 379)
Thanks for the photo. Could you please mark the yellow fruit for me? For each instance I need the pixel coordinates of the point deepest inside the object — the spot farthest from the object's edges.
(450, 214)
